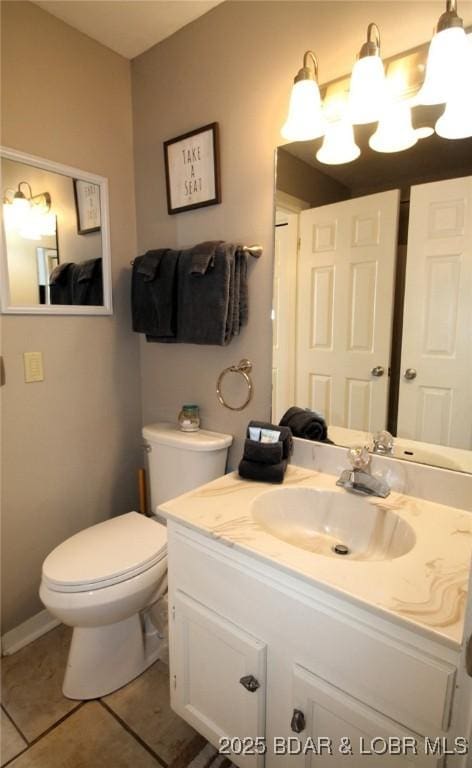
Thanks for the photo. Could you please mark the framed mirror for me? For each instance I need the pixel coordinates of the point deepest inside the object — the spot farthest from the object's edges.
(372, 305)
(55, 256)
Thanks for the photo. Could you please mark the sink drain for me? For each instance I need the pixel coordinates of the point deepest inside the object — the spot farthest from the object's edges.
(340, 549)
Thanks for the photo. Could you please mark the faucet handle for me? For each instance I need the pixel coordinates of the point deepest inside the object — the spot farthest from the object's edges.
(382, 442)
(359, 457)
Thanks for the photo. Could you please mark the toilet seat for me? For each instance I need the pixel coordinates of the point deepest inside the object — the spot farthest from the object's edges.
(105, 554)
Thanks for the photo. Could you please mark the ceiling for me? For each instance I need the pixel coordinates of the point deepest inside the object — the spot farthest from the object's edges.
(128, 27)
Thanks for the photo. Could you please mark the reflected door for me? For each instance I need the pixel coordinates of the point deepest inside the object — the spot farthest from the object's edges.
(284, 312)
(345, 296)
(435, 404)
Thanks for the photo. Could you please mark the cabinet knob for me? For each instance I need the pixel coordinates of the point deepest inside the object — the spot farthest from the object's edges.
(250, 683)
(297, 724)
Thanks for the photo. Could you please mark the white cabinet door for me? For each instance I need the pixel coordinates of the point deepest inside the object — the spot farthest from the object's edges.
(345, 280)
(336, 725)
(435, 405)
(209, 658)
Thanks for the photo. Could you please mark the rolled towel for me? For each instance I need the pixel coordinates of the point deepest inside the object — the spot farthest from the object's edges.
(285, 435)
(263, 453)
(263, 473)
(306, 423)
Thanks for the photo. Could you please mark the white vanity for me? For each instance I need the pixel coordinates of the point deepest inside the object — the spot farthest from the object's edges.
(273, 635)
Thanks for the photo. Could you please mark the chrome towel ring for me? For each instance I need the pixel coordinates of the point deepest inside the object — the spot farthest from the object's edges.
(244, 368)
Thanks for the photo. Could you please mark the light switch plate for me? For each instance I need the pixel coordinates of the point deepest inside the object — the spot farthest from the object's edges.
(33, 367)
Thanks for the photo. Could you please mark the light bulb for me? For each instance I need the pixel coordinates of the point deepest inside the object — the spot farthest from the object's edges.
(305, 119)
(368, 90)
(338, 144)
(394, 132)
(444, 67)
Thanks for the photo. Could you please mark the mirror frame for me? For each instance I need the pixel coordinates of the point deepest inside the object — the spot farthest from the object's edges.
(60, 309)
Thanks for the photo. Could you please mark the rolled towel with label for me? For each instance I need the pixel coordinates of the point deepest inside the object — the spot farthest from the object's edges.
(285, 435)
(263, 473)
(263, 453)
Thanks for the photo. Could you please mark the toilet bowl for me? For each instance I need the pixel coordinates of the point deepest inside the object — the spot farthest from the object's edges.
(103, 582)
(106, 581)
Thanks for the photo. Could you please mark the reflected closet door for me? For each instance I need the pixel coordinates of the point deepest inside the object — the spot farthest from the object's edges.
(435, 404)
(345, 297)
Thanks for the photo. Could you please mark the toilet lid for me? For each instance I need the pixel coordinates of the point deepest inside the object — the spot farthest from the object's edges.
(106, 554)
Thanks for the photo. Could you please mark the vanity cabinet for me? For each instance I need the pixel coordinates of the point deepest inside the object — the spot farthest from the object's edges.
(349, 670)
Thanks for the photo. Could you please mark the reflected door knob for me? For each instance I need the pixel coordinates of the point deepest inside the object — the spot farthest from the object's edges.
(250, 683)
(410, 374)
(378, 370)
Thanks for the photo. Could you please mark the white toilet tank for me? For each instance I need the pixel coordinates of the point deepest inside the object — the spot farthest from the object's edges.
(180, 461)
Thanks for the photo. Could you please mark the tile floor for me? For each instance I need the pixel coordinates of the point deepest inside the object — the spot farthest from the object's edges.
(131, 728)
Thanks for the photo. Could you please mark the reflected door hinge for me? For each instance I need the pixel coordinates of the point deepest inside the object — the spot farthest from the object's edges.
(175, 681)
(299, 243)
(468, 656)
(173, 613)
(2, 372)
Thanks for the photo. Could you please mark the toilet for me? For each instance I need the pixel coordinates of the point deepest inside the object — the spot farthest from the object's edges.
(106, 580)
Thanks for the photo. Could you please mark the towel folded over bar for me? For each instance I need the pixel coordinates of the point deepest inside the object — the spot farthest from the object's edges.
(194, 296)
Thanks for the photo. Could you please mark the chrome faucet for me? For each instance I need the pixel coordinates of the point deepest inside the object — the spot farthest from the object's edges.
(382, 443)
(359, 479)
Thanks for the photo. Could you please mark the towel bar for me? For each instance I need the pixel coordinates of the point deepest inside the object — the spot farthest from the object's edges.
(244, 368)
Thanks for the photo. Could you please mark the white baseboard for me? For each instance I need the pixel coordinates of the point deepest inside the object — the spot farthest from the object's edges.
(25, 633)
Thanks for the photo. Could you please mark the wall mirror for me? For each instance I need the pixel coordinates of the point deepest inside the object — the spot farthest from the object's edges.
(55, 256)
(372, 306)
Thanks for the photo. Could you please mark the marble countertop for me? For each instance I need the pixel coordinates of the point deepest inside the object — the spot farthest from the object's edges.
(426, 587)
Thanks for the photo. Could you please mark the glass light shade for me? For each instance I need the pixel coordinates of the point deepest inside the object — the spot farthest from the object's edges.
(338, 144)
(395, 132)
(305, 118)
(48, 224)
(444, 68)
(8, 216)
(367, 91)
(456, 122)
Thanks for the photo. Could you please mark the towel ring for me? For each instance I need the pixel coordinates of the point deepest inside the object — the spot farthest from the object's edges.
(244, 368)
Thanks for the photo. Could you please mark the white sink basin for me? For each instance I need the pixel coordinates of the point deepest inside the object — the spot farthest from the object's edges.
(319, 520)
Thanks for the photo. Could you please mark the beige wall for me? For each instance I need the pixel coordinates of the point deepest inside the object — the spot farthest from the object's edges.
(235, 65)
(71, 444)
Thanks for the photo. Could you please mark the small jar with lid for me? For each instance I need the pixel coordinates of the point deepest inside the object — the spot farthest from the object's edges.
(189, 418)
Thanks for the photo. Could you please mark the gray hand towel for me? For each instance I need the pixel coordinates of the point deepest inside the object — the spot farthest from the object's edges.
(154, 295)
(205, 309)
(203, 257)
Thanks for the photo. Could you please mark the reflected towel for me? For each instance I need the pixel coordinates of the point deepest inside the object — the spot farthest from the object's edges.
(306, 423)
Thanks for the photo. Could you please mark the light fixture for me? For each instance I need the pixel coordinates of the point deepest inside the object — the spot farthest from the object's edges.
(305, 117)
(338, 144)
(30, 215)
(446, 56)
(367, 90)
(395, 131)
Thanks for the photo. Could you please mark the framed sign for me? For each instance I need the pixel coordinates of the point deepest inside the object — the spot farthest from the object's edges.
(87, 204)
(192, 169)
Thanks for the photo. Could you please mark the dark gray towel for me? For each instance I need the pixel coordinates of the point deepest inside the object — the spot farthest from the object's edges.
(264, 473)
(285, 435)
(205, 311)
(60, 283)
(87, 283)
(154, 294)
(306, 423)
(243, 288)
(203, 257)
(263, 453)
